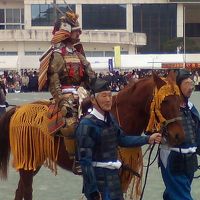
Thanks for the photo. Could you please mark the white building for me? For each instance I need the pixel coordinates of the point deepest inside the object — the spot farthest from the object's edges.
(138, 26)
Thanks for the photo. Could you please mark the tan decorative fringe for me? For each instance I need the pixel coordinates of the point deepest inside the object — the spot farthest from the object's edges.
(31, 145)
(159, 95)
(131, 185)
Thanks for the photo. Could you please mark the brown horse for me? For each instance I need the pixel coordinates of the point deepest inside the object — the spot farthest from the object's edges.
(132, 107)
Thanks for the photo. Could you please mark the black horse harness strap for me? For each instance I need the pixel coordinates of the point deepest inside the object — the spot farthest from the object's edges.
(164, 129)
(128, 168)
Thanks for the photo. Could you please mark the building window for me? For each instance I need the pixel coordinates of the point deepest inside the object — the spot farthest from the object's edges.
(158, 21)
(109, 53)
(103, 53)
(11, 18)
(124, 52)
(8, 53)
(44, 15)
(95, 54)
(12, 15)
(2, 16)
(104, 16)
(88, 53)
(2, 27)
(192, 29)
(33, 53)
(11, 53)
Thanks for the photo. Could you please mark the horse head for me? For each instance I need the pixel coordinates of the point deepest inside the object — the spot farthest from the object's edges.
(165, 109)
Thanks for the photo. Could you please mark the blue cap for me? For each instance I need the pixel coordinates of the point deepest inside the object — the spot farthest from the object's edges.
(182, 74)
(99, 85)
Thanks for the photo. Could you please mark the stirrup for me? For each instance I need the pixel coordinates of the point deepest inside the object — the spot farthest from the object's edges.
(76, 168)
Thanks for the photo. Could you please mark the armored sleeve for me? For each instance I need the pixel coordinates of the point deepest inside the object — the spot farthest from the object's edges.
(198, 138)
(88, 69)
(129, 141)
(85, 144)
(132, 141)
(55, 68)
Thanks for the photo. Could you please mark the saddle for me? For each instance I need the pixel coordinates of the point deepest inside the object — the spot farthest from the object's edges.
(56, 121)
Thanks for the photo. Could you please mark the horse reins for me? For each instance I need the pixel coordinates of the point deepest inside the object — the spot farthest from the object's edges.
(164, 132)
(156, 122)
(117, 111)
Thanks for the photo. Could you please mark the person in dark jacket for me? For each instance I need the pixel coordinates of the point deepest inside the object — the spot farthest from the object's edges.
(2, 98)
(178, 164)
(98, 136)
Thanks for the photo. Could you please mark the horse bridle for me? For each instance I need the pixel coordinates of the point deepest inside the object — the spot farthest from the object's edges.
(164, 130)
(165, 122)
(157, 123)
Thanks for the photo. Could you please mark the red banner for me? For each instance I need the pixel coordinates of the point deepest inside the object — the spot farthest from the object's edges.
(180, 65)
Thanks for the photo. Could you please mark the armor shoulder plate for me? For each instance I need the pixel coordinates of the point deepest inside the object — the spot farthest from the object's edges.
(57, 63)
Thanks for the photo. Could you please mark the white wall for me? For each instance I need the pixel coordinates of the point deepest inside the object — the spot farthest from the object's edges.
(149, 61)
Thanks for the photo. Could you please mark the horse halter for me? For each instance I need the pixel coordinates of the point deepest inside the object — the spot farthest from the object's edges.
(157, 122)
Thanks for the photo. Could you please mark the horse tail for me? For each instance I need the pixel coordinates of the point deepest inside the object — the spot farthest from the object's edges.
(5, 143)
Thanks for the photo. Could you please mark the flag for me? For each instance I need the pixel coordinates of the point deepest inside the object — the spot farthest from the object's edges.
(117, 56)
(110, 64)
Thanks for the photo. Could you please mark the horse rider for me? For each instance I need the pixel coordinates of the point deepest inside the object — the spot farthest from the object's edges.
(68, 70)
(179, 163)
(98, 136)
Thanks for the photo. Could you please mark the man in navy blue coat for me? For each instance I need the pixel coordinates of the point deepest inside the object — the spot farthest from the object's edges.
(179, 163)
(98, 136)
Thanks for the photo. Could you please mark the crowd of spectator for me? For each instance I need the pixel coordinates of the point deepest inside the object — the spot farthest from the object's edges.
(27, 81)
(24, 82)
(118, 80)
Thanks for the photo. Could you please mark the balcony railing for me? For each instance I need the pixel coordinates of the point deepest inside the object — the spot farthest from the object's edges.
(93, 36)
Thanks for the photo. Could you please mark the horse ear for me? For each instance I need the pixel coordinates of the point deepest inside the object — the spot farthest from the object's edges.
(171, 76)
(157, 80)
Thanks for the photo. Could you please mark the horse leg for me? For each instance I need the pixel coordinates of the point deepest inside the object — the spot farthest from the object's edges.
(19, 194)
(26, 178)
(24, 189)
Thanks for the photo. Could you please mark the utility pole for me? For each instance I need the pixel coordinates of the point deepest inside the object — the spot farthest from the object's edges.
(184, 41)
(54, 10)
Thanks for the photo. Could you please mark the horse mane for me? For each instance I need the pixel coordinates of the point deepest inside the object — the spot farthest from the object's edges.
(133, 85)
(130, 89)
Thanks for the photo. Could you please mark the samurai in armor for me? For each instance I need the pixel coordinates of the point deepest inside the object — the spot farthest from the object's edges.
(98, 136)
(178, 164)
(68, 70)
